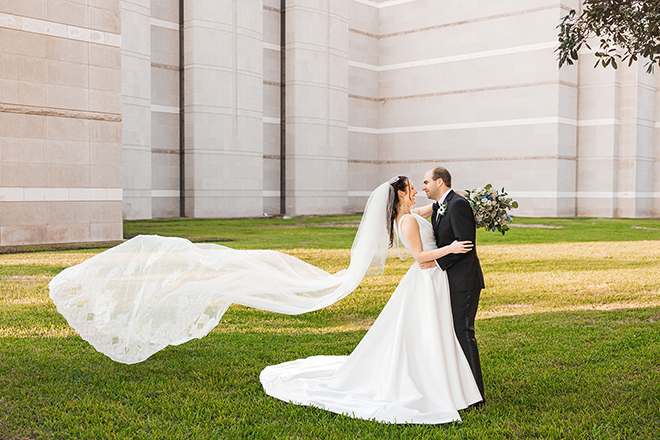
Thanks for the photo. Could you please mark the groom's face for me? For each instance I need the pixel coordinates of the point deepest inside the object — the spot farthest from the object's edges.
(431, 187)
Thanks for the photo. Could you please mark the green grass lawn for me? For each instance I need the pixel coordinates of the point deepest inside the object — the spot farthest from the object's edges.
(273, 233)
(569, 333)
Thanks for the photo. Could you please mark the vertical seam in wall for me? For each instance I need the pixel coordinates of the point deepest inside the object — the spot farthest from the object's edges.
(283, 107)
(576, 205)
(89, 128)
(327, 77)
(182, 113)
(235, 66)
(635, 164)
(380, 105)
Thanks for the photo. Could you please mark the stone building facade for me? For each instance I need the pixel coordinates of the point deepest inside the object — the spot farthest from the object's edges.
(132, 109)
(60, 121)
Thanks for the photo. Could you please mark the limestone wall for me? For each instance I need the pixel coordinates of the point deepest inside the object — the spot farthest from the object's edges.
(60, 121)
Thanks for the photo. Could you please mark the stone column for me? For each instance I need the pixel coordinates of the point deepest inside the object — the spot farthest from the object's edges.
(223, 61)
(656, 172)
(364, 104)
(165, 114)
(136, 107)
(598, 139)
(636, 142)
(317, 106)
(616, 141)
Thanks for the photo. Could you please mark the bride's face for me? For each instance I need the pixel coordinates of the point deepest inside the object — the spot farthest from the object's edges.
(408, 198)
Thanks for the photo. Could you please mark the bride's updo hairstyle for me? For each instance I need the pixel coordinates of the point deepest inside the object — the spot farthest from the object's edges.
(398, 183)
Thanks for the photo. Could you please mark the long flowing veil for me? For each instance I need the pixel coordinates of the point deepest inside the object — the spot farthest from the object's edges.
(150, 292)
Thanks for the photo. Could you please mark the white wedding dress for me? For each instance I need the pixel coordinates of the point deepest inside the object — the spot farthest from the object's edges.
(409, 367)
(137, 298)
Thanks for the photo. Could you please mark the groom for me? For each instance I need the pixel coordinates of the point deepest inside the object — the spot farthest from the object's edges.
(452, 219)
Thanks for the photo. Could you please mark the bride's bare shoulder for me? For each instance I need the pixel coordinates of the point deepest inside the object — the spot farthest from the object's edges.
(407, 222)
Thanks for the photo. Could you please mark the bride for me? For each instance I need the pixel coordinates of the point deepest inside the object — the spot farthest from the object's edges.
(409, 367)
(135, 299)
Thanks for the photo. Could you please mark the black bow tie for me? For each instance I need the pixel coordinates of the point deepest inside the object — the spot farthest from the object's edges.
(436, 206)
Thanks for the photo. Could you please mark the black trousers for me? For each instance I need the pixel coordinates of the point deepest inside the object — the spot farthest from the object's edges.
(464, 309)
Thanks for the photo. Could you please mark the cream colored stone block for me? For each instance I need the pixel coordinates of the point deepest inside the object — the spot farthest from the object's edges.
(68, 129)
(21, 235)
(105, 102)
(363, 146)
(165, 45)
(22, 93)
(66, 152)
(165, 207)
(105, 212)
(598, 141)
(364, 18)
(165, 131)
(25, 8)
(106, 232)
(68, 176)
(22, 150)
(67, 74)
(67, 12)
(104, 131)
(271, 26)
(165, 171)
(104, 20)
(114, 5)
(271, 66)
(165, 10)
(105, 56)
(61, 49)
(103, 78)
(27, 175)
(165, 87)
(105, 154)
(22, 126)
(105, 176)
(63, 233)
(214, 12)
(22, 43)
(271, 135)
(22, 68)
(271, 101)
(596, 175)
(67, 97)
(23, 214)
(68, 213)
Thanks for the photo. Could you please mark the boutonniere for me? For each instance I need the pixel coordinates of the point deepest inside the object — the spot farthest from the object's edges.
(442, 208)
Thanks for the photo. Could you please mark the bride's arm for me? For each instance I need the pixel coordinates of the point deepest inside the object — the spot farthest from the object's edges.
(410, 231)
(424, 211)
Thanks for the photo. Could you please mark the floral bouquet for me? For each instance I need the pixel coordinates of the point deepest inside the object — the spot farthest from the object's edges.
(490, 208)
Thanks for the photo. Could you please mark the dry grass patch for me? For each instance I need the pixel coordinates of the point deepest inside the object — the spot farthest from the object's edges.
(520, 279)
(524, 279)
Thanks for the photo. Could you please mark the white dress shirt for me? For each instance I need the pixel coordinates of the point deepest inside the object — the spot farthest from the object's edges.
(441, 201)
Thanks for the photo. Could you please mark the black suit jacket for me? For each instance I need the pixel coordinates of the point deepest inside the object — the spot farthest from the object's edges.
(463, 270)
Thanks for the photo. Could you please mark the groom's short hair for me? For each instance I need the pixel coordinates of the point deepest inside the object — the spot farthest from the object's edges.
(442, 173)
